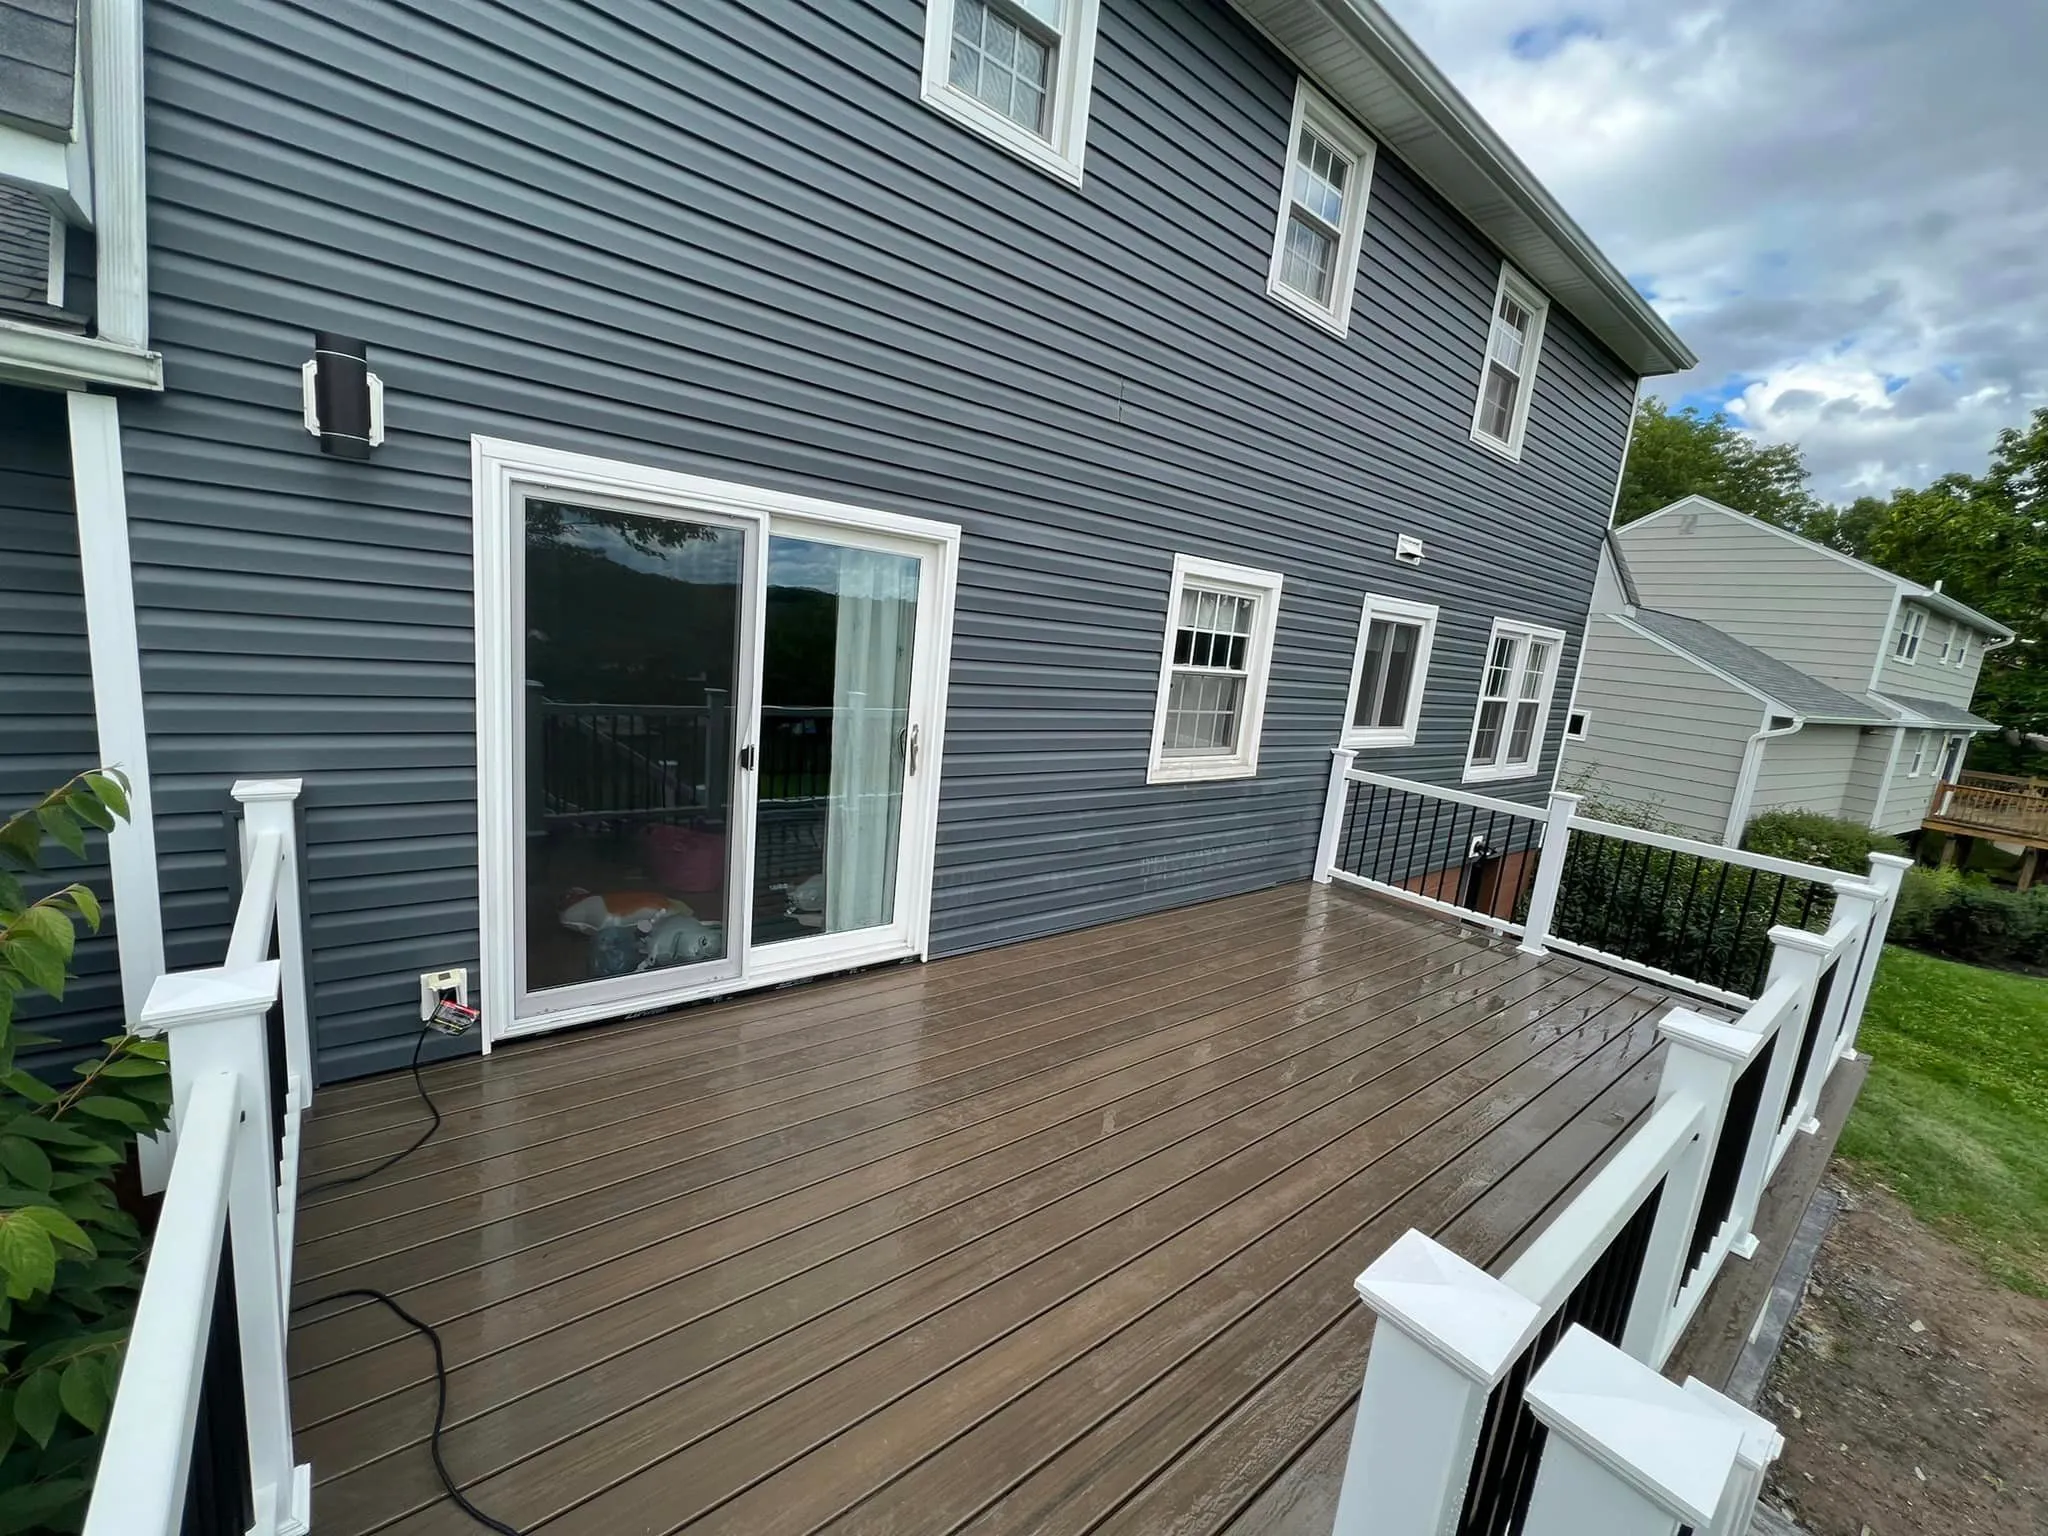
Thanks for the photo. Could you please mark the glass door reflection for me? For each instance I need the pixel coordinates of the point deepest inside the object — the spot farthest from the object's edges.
(631, 649)
(837, 737)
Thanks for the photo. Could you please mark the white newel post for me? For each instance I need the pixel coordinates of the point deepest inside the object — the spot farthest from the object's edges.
(1701, 1062)
(1887, 873)
(1557, 835)
(1629, 1453)
(1334, 802)
(1761, 1445)
(214, 1024)
(270, 805)
(1447, 1333)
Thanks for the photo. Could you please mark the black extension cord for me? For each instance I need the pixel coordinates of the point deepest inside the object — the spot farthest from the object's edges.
(365, 1293)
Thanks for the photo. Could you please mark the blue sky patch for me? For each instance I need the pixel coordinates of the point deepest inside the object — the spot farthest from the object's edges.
(1536, 43)
(1894, 382)
(1715, 397)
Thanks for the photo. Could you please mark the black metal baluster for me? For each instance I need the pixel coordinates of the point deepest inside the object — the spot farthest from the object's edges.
(1736, 937)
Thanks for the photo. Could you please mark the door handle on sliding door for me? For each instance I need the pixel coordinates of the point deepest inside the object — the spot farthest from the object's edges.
(910, 752)
(747, 757)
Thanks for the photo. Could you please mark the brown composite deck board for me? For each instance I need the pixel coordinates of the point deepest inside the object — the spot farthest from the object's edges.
(961, 1270)
(1053, 1237)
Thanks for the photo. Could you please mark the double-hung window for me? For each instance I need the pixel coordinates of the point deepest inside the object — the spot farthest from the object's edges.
(1324, 180)
(1388, 673)
(1212, 677)
(1923, 743)
(1514, 345)
(1949, 634)
(1912, 628)
(1016, 72)
(1514, 700)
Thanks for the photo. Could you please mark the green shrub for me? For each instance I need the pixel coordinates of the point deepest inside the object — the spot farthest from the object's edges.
(1811, 838)
(1966, 917)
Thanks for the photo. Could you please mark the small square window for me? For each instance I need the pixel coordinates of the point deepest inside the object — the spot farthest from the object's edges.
(1576, 724)
(1912, 627)
(1017, 72)
(1507, 377)
(1212, 679)
(1514, 701)
(1323, 184)
(1388, 673)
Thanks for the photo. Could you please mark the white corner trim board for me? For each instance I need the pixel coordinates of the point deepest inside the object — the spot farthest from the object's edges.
(106, 572)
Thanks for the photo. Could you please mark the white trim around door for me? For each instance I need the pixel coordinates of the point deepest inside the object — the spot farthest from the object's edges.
(504, 473)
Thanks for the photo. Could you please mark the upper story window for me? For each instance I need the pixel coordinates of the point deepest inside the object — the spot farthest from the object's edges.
(1388, 673)
(1514, 346)
(1912, 628)
(1324, 180)
(1514, 700)
(1016, 72)
(1950, 632)
(1212, 677)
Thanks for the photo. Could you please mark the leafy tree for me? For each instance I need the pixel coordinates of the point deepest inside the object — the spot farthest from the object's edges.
(1688, 453)
(70, 1257)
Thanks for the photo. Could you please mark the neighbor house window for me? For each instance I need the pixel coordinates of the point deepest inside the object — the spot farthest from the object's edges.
(1323, 184)
(1514, 700)
(1388, 672)
(1923, 744)
(1514, 345)
(1212, 678)
(1016, 72)
(1962, 646)
(1912, 626)
(1948, 642)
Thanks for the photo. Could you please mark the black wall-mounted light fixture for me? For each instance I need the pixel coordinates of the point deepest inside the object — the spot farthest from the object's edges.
(344, 401)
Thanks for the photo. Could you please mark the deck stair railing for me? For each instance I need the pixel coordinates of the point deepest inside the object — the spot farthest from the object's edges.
(1530, 1404)
(199, 1441)
(1692, 916)
(1994, 804)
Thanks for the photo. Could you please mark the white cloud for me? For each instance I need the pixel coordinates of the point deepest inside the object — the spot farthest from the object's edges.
(1841, 204)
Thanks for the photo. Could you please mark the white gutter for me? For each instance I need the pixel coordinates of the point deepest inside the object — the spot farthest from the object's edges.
(1752, 768)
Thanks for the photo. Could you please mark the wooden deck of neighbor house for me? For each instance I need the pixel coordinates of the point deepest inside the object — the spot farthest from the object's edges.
(1058, 1237)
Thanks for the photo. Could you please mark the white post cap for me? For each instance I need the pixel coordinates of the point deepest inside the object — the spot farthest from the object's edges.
(1457, 1311)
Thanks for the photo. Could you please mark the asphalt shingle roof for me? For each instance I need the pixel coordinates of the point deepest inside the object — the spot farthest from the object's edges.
(1783, 684)
(1940, 713)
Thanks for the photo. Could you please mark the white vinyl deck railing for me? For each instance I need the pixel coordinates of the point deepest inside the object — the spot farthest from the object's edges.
(1515, 1405)
(199, 1441)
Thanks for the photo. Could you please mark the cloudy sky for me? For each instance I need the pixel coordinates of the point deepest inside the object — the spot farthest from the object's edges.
(1842, 205)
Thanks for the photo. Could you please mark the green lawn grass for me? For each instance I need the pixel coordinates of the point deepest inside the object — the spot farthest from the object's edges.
(1954, 1116)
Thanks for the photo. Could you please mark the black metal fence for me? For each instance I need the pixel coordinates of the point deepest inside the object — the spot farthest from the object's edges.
(1724, 1173)
(1704, 918)
(1511, 1437)
(1809, 1037)
(1476, 857)
(616, 761)
(218, 1498)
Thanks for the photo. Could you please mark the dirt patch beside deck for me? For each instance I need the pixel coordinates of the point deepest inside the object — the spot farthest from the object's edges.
(1912, 1391)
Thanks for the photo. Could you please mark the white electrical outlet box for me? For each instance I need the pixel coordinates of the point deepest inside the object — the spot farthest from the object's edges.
(1408, 549)
(435, 985)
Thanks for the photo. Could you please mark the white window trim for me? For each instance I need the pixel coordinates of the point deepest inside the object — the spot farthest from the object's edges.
(1949, 630)
(1400, 610)
(1494, 772)
(1061, 153)
(1912, 631)
(1313, 110)
(1264, 587)
(1584, 717)
(1918, 765)
(1531, 298)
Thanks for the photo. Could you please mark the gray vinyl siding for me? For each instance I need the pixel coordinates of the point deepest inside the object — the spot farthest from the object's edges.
(38, 52)
(730, 240)
(47, 731)
(1807, 609)
(1810, 770)
(1662, 733)
(1908, 795)
(1929, 677)
(1867, 776)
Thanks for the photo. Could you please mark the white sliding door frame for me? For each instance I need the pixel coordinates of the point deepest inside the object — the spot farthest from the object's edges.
(501, 472)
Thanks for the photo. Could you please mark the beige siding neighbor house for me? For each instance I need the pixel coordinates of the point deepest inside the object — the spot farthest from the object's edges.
(1733, 668)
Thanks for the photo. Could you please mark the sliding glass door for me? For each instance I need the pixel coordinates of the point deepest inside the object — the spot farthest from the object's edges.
(708, 727)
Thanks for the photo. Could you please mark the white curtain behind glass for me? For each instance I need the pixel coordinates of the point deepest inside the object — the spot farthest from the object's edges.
(870, 713)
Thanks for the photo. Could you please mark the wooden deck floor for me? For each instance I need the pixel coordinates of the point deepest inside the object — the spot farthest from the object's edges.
(1053, 1238)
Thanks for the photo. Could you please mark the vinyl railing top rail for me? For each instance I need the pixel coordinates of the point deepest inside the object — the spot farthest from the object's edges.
(249, 942)
(1792, 869)
(146, 1452)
